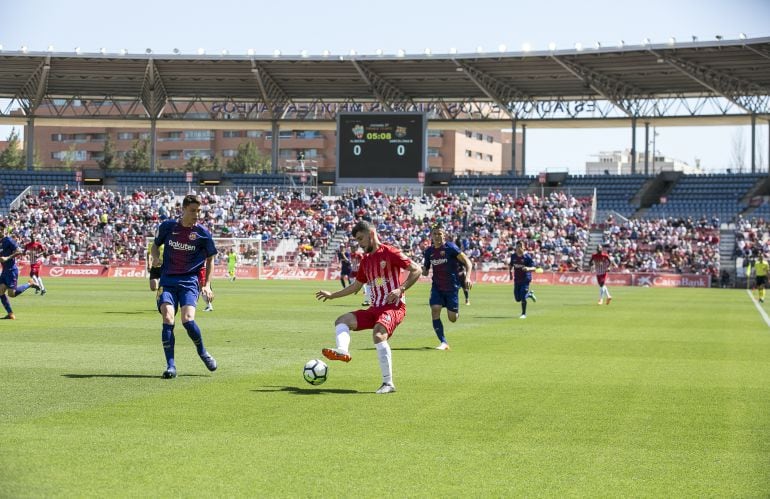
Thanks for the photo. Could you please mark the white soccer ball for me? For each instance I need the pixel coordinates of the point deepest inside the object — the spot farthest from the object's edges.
(315, 372)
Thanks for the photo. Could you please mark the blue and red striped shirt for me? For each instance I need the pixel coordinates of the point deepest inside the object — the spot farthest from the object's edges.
(446, 266)
(185, 250)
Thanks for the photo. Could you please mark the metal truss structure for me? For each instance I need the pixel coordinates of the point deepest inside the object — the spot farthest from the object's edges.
(723, 81)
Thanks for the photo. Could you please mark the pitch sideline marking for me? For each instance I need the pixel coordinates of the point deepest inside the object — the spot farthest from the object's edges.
(759, 307)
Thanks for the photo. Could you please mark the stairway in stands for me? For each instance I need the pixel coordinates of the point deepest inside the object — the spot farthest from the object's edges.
(727, 251)
(595, 238)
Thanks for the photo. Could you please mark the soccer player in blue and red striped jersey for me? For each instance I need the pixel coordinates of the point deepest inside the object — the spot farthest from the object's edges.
(187, 246)
(601, 263)
(520, 270)
(381, 267)
(343, 256)
(9, 276)
(447, 260)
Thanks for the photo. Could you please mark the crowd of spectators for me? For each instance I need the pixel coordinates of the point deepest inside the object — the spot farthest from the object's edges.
(103, 226)
(752, 236)
(679, 245)
(83, 227)
(554, 227)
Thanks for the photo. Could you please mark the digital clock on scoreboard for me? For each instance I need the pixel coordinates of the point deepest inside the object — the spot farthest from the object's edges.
(381, 145)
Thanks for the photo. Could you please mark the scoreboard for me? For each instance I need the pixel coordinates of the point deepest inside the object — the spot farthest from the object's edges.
(381, 145)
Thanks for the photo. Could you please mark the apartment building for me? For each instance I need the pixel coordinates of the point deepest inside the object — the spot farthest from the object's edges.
(451, 151)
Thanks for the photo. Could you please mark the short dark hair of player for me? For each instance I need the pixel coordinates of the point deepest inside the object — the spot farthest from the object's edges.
(362, 226)
(190, 199)
(520, 243)
(437, 227)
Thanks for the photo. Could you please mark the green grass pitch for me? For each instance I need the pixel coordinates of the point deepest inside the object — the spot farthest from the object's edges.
(664, 393)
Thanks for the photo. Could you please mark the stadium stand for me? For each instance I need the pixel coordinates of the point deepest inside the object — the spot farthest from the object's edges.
(613, 193)
(247, 181)
(14, 182)
(717, 195)
(665, 245)
(303, 228)
(128, 181)
(485, 183)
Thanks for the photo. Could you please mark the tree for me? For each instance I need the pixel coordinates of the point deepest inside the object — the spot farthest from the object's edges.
(70, 156)
(36, 161)
(108, 158)
(248, 159)
(137, 159)
(202, 163)
(264, 163)
(13, 155)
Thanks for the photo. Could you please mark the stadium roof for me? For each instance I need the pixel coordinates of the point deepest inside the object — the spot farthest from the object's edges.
(719, 80)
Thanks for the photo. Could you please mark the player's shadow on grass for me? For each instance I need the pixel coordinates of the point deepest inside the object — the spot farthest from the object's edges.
(304, 391)
(412, 349)
(130, 312)
(85, 376)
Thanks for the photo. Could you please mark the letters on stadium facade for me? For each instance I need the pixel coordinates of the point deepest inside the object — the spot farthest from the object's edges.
(479, 276)
(555, 108)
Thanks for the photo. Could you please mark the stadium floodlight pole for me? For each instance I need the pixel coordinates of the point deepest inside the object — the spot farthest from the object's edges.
(153, 143)
(523, 149)
(753, 143)
(513, 147)
(633, 145)
(274, 146)
(646, 147)
(29, 139)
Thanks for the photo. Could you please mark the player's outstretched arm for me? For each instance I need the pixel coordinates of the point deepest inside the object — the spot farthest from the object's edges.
(16, 253)
(324, 295)
(468, 269)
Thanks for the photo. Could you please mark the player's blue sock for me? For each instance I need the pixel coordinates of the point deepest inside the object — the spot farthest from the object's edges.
(6, 303)
(524, 306)
(20, 289)
(438, 326)
(167, 337)
(194, 332)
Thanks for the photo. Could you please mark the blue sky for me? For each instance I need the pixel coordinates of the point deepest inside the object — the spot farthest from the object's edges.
(339, 26)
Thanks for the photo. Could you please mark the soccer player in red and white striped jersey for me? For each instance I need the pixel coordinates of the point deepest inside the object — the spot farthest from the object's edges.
(35, 252)
(601, 263)
(381, 268)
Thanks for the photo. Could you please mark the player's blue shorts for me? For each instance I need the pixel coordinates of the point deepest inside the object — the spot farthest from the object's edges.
(447, 299)
(10, 278)
(180, 295)
(520, 291)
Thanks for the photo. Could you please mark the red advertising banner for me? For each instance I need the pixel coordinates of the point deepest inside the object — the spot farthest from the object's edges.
(67, 270)
(315, 274)
(589, 279)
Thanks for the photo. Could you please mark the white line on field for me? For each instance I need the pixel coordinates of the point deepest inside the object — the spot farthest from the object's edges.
(759, 307)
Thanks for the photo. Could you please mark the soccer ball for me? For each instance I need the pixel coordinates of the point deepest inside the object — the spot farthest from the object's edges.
(315, 372)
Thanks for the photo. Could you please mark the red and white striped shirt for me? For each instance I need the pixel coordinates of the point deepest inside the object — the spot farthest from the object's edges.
(381, 270)
(601, 262)
(355, 260)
